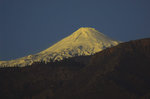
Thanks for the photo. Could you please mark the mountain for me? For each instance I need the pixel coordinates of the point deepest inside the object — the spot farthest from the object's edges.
(119, 72)
(84, 41)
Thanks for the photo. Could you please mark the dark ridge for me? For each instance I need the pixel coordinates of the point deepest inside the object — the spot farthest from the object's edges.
(120, 72)
(38, 79)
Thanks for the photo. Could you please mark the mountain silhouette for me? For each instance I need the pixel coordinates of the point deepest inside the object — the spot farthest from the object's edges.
(84, 41)
(119, 72)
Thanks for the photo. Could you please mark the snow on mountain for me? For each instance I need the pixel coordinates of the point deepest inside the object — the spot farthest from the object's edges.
(84, 41)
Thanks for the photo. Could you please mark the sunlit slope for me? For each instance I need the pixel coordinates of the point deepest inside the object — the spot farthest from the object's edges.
(84, 41)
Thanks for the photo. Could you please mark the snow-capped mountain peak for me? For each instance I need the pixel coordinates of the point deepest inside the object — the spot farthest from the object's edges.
(84, 41)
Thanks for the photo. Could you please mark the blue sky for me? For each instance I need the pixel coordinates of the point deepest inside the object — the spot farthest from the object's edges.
(30, 26)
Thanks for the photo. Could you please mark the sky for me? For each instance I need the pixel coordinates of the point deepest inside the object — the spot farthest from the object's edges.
(30, 26)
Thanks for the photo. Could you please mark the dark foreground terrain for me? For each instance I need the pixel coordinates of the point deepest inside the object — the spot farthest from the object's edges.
(120, 72)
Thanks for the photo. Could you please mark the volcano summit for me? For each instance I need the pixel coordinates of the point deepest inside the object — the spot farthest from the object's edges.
(84, 41)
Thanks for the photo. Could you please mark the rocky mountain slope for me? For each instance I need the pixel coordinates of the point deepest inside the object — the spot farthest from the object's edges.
(120, 72)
